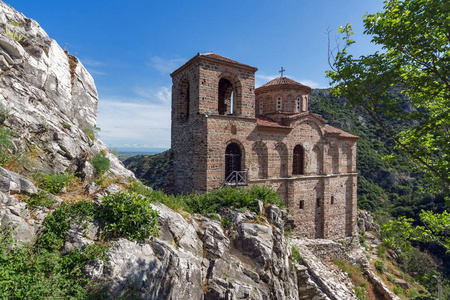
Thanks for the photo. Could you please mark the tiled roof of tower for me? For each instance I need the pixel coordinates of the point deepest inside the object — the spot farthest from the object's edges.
(222, 58)
(214, 57)
(333, 130)
(284, 81)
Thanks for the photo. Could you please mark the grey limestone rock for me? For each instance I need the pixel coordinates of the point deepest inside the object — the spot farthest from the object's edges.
(14, 183)
(92, 188)
(153, 270)
(51, 97)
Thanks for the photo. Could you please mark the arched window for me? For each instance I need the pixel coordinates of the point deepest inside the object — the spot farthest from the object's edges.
(299, 103)
(225, 97)
(260, 106)
(279, 104)
(233, 158)
(298, 161)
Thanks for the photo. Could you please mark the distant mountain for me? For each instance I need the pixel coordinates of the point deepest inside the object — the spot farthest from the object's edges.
(151, 169)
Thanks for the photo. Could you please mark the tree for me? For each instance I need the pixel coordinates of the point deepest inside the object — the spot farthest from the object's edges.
(415, 38)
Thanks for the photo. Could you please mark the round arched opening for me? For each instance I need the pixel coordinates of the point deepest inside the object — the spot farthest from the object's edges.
(233, 157)
(298, 164)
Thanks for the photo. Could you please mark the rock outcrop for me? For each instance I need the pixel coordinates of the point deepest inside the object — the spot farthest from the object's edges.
(48, 99)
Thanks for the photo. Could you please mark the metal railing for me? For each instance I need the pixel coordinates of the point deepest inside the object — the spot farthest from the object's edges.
(236, 178)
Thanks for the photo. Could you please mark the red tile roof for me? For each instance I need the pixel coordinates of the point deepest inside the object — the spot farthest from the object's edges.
(213, 57)
(333, 130)
(222, 58)
(305, 113)
(268, 122)
(284, 81)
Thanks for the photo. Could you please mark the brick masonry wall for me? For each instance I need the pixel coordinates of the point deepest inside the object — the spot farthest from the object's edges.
(288, 100)
(327, 187)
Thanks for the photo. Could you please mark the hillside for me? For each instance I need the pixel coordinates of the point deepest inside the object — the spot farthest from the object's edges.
(150, 169)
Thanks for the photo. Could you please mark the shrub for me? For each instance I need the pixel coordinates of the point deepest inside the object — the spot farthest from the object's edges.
(416, 261)
(361, 291)
(128, 215)
(58, 223)
(101, 163)
(54, 183)
(379, 265)
(362, 238)
(296, 256)
(5, 145)
(40, 271)
(91, 131)
(5, 114)
(398, 290)
(381, 250)
(212, 202)
(41, 198)
(67, 126)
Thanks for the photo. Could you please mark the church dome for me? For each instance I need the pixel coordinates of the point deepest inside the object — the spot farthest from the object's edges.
(283, 82)
(281, 95)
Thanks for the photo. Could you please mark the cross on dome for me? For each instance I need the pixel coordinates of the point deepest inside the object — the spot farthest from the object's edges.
(281, 71)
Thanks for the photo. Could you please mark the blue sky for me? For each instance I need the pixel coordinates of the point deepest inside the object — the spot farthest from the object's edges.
(131, 46)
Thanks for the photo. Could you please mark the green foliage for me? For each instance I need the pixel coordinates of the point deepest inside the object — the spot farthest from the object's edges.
(5, 145)
(101, 163)
(362, 238)
(398, 234)
(54, 183)
(148, 168)
(296, 256)
(41, 198)
(5, 114)
(90, 131)
(381, 251)
(212, 202)
(58, 223)
(380, 266)
(15, 23)
(11, 33)
(417, 262)
(128, 215)
(361, 291)
(226, 222)
(414, 37)
(41, 271)
(67, 126)
(398, 290)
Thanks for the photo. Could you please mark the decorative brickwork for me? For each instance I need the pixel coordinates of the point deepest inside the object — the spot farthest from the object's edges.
(218, 118)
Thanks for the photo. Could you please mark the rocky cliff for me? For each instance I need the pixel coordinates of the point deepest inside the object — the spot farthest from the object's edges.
(48, 99)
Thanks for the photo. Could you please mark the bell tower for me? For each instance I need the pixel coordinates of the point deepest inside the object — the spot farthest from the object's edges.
(207, 86)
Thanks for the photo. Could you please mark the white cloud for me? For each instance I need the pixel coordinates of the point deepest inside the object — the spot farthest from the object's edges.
(91, 62)
(162, 94)
(166, 66)
(138, 122)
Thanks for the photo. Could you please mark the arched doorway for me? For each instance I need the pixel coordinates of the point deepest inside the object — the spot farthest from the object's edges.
(233, 157)
(298, 163)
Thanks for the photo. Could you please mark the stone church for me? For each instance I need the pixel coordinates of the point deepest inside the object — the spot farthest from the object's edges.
(226, 132)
